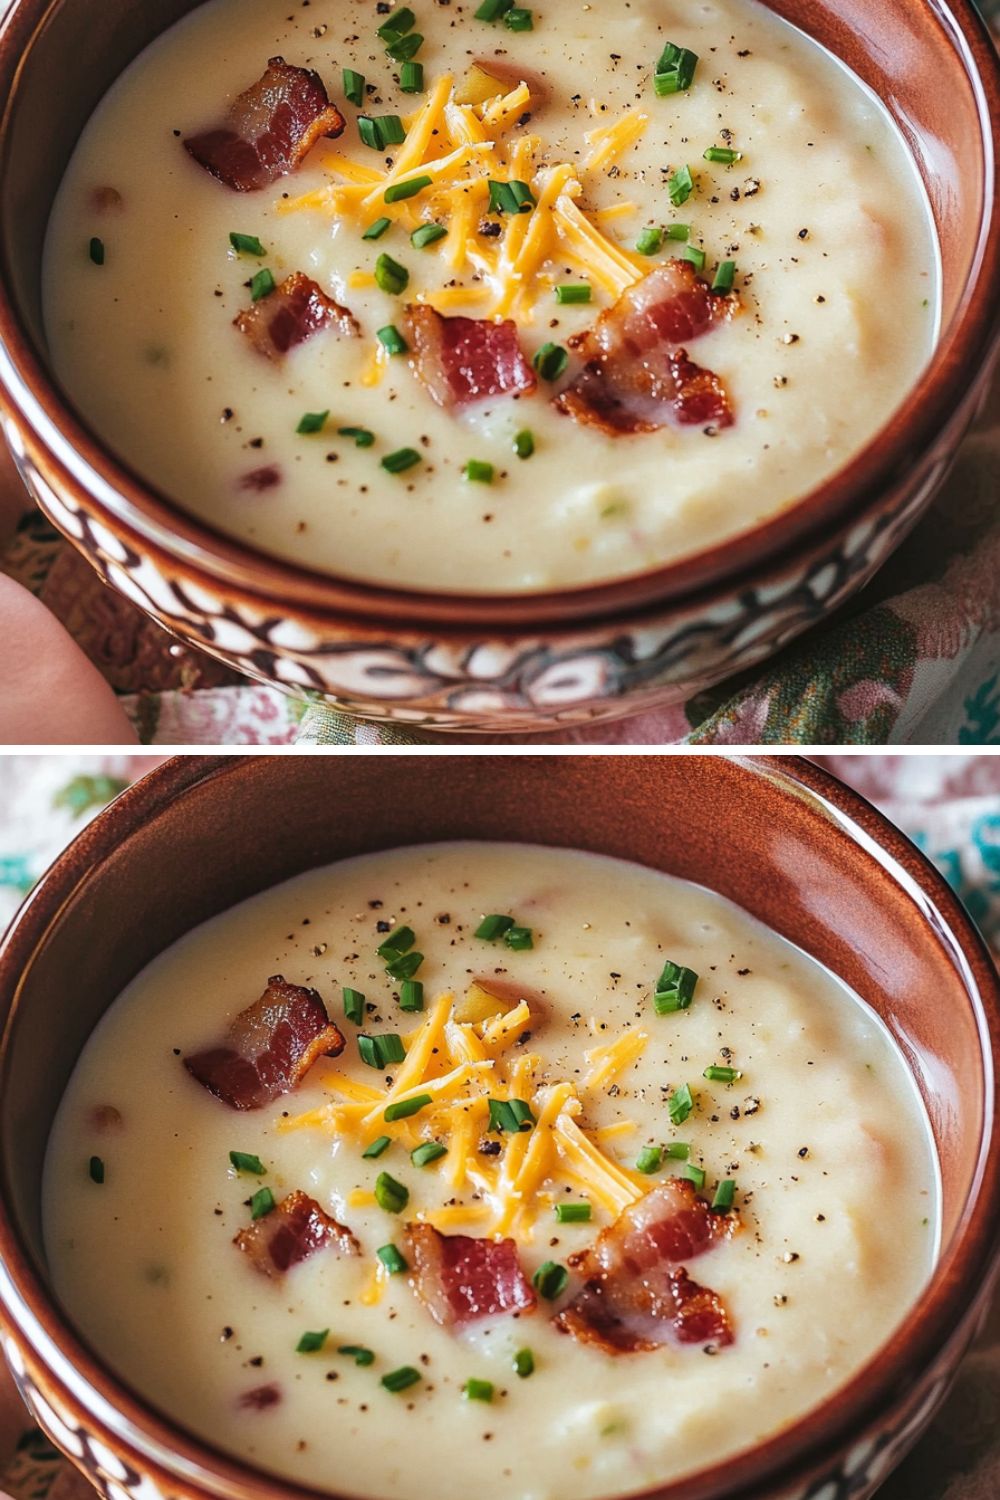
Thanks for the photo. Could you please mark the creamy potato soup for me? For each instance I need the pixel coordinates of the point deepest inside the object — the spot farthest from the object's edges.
(409, 1268)
(488, 299)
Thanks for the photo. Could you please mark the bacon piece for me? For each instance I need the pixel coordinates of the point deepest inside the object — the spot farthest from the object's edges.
(636, 374)
(460, 1278)
(291, 1232)
(635, 1294)
(261, 479)
(462, 360)
(268, 129)
(261, 1397)
(270, 1048)
(292, 313)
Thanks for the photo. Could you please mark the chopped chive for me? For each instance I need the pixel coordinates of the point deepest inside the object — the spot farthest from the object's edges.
(510, 197)
(492, 10)
(96, 1169)
(262, 1203)
(675, 70)
(680, 186)
(524, 1363)
(406, 47)
(693, 1174)
(411, 78)
(573, 1213)
(478, 1390)
(403, 458)
(681, 1104)
(309, 1343)
(96, 251)
(650, 240)
(408, 189)
(430, 1151)
(674, 988)
(550, 1280)
(390, 1194)
(354, 86)
(724, 277)
(403, 1108)
(400, 940)
(401, 1379)
(694, 255)
(393, 1261)
(405, 965)
(718, 1074)
(379, 131)
(678, 231)
(519, 19)
(378, 1051)
(262, 285)
(398, 24)
(427, 234)
(518, 938)
(246, 244)
(567, 293)
(493, 927)
(370, 133)
(377, 230)
(392, 340)
(372, 1152)
(480, 473)
(511, 1115)
(362, 437)
(550, 361)
(723, 154)
(649, 1160)
(524, 446)
(390, 275)
(354, 1005)
(357, 1352)
(411, 995)
(724, 1195)
(312, 421)
(679, 1150)
(243, 1161)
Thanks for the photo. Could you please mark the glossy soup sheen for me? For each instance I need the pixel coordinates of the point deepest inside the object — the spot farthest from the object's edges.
(823, 215)
(820, 1131)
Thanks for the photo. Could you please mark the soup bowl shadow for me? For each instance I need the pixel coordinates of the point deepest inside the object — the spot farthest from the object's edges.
(777, 835)
(477, 663)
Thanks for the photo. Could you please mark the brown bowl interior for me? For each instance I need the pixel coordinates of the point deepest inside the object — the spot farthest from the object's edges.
(930, 62)
(199, 835)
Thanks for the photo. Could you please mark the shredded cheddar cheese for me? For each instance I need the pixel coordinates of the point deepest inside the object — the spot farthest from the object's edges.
(608, 1061)
(609, 141)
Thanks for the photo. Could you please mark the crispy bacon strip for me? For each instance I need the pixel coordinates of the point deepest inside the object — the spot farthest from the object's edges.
(635, 1295)
(637, 375)
(461, 1279)
(270, 1047)
(268, 129)
(462, 360)
(292, 313)
(291, 1232)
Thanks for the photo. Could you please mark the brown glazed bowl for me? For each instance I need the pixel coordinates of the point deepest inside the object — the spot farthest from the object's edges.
(776, 834)
(506, 664)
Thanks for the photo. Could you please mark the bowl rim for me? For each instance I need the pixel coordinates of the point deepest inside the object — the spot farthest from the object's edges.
(891, 1377)
(154, 523)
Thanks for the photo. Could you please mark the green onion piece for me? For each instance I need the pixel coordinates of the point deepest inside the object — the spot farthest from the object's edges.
(392, 340)
(567, 293)
(724, 277)
(398, 24)
(354, 86)
(96, 1169)
(427, 234)
(679, 1150)
(524, 1363)
(262, 285)
(678, 231)
(243, 1161)
(408, 189)
(718, 1074)
(246, 244)
(411, 78)
(362, 437)
(510, 197)
(378, 1051)
(492, 10)
(674, 988)
(694, 255)
(481, 473)
(524, 198)
(379, 131)
(403, 458)
(357, 1352)
(390, 275)
(309, 1343)
(518, 938)
(406, 964)
(392, 1260)
(649, 1160)
(411, 995)
(674, 70)
(377, 230)
(478, 1390)
(693, 1174)
(493, 927)
(401, 1379)
(573, 1213)
(550, 361)
(430, 1151)
(371, 135)
(390, 1194)
(511, 1115)
(399, 941)
(550, 1280)
(403, 1108)
(519, 19)
(650, 240)
(524, 447)
(723, 154)
(680, 186)
(312, 421)
(406, 47)
(354, 1005)
(96, 251)
(382, 1143)
(724, 1195)
(681, 1104)
(262, 1203)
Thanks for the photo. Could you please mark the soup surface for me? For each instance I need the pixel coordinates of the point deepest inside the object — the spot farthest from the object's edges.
(806, 1111)
(692, 414)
